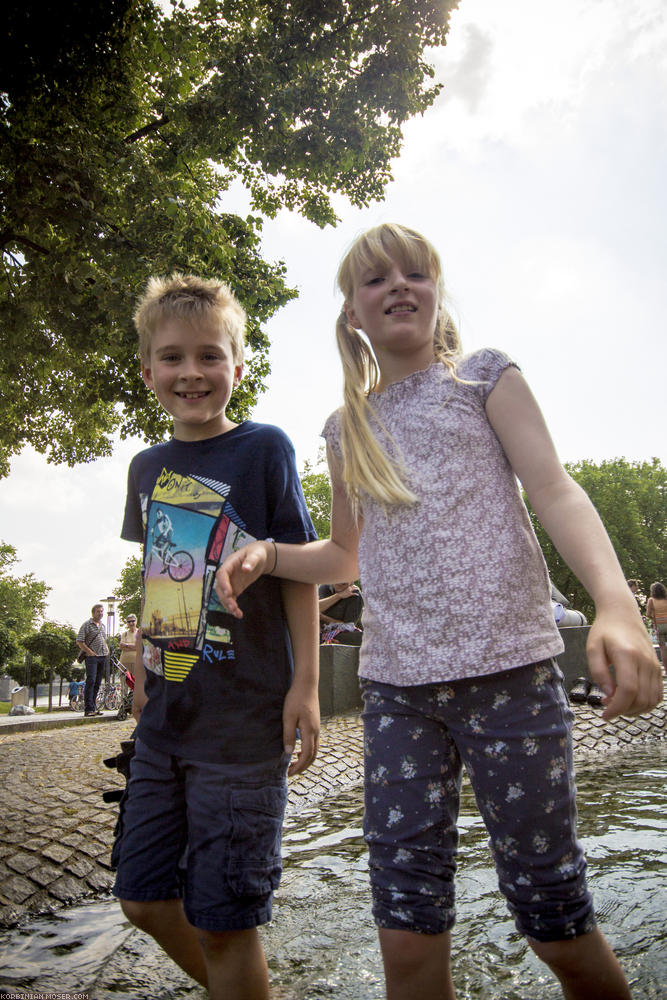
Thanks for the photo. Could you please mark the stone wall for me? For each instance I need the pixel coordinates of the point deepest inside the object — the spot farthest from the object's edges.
(573, 661)
(339, 684)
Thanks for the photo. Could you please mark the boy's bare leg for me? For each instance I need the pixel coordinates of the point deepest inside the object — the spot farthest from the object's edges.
(235, 965)
(416, 966)
(165, 921)
(586, 967)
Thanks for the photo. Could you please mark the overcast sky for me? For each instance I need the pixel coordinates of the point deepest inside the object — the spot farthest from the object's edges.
(539, 174)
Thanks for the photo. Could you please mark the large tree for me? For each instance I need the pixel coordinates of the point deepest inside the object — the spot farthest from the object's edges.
(631, 499)
(122, 127)
(22, 598)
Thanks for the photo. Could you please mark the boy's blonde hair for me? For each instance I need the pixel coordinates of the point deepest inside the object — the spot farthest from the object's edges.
(367, 467)
(198, 301)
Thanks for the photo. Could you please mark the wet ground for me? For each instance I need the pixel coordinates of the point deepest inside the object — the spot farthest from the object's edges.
(322, 943)
(56, 831)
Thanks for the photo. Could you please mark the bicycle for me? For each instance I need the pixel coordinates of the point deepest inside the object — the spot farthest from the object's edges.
(76, 704)
(108, 696)
(179, 565)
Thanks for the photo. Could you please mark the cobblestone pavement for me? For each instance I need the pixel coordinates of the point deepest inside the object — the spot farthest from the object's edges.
(56, 831)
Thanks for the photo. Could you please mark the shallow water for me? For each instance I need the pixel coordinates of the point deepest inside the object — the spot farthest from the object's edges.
(322, 943)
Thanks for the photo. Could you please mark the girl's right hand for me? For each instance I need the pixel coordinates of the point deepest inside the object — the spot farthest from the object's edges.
(238, 571)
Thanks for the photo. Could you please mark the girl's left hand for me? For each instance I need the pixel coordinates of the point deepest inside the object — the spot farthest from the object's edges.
(618, 638)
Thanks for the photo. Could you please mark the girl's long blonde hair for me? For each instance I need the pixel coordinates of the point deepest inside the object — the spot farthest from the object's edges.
(366, 465)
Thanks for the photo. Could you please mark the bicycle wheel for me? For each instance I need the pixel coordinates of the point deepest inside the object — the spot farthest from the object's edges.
(113, 699)
(99, 701)
(181, 566)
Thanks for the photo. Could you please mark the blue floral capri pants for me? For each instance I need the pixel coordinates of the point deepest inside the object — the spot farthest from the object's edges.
(511, 731)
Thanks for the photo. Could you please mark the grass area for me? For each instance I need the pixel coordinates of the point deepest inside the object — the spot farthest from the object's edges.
(6, 705)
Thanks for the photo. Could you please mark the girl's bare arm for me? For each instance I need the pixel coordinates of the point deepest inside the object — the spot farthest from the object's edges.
(618, 635)
(333, 559)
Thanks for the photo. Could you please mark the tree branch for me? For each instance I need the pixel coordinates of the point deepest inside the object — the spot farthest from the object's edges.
(147, 129)
(7, 236)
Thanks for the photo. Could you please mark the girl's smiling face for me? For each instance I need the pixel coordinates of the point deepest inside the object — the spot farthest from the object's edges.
(396, 305)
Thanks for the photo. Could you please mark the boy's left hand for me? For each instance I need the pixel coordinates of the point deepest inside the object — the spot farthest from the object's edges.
(301, 710)
(618, 638)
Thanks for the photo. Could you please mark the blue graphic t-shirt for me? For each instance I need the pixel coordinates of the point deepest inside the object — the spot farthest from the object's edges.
(215, 684)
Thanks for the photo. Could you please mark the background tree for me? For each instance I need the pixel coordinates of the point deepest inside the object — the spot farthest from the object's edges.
(631, 499)
(22, 604)
(317, 491)
(122, 129)
(53, 649)
(9, 644)
(128, 589)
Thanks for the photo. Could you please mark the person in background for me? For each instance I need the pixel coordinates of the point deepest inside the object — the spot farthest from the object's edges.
(340, 607)
(340, 602)
(128, 650)
(74, 690)
(656, 612)
(92, 640)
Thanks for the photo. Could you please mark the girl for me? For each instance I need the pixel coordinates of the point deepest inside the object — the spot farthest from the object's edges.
(423, 458)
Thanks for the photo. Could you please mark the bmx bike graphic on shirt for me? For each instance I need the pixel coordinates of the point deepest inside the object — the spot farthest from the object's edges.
(179, 564)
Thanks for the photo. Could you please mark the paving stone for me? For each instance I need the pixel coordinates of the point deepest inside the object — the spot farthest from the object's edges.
(35, 843)
(100, 881)
(56, 852)
(67, 889)
(45, 874)
(79, 867)
(10, 915)
(13, 837)
(17, 889)
(22, 863)
(92, 848)
(72, 839)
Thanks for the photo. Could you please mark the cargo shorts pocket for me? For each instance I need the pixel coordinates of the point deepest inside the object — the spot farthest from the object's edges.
(255, 863)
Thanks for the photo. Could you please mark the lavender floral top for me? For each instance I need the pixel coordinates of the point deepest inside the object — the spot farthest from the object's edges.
(456, 585)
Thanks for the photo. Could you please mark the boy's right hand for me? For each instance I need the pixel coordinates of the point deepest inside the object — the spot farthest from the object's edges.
(238, 571)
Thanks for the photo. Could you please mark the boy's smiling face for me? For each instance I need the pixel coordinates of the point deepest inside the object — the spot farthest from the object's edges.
(191, 370)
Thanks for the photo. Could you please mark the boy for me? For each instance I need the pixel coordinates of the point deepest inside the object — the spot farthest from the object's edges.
(218, 702)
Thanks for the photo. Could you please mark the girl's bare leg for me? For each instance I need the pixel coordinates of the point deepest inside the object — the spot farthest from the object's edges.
(586, 967)
(416, 966)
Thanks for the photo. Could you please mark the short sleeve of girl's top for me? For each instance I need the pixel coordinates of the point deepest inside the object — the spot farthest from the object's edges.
(455, 586)
(483, 369)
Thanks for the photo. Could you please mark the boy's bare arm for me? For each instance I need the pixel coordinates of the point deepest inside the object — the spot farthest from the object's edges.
(138, 694)
(301, 709)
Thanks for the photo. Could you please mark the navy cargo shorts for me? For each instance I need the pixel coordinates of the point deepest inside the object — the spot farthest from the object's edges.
(511, 731)
(207, 833)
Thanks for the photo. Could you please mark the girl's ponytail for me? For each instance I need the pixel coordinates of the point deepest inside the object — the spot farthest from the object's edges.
(367, 467)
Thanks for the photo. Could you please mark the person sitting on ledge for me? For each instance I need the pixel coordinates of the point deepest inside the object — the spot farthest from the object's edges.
(340, 607)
